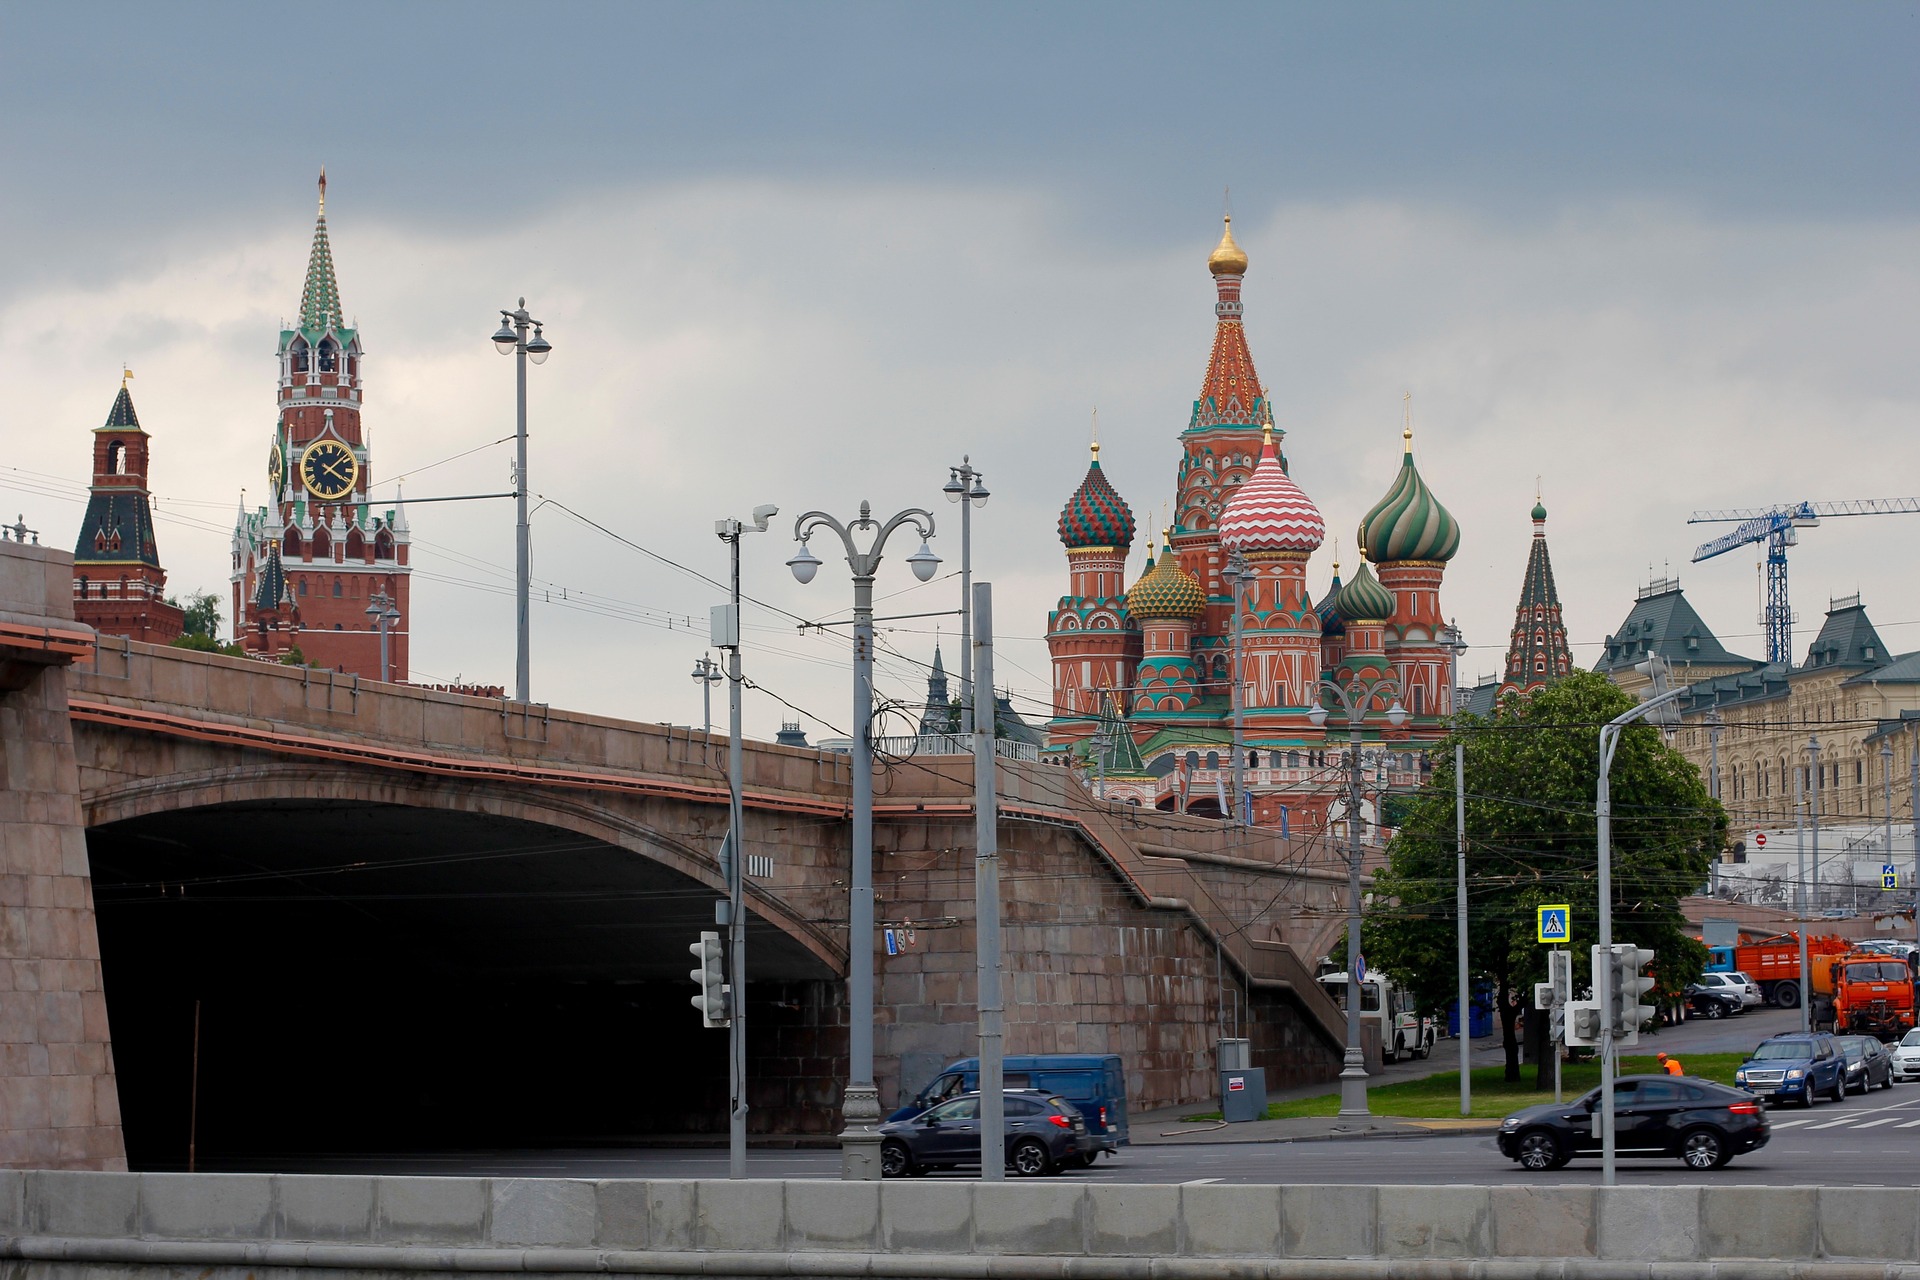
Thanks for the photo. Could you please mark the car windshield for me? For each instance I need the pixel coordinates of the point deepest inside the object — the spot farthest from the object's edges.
(1783, 1049)
(1854, 1050)
(1911, 1040)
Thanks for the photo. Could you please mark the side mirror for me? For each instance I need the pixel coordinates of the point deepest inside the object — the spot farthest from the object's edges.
(1591, 1104)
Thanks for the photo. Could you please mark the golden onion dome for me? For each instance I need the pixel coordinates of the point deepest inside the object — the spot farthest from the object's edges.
(1167, 591)
(1228, 258)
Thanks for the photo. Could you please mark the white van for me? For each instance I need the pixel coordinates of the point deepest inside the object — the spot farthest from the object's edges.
(1383, 1001)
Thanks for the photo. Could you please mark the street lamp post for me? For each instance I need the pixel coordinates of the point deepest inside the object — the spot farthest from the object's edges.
(1236, 575)
(964, 487)
(708, 673)
(511, 340)
(1354, 697)
(734, 857)
(1817, 772)
(1457, 645)
(381, 608)
(860, 1107)
(1886, 773)
(1603, 821)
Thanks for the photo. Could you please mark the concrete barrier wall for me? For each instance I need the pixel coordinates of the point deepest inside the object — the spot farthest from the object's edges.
(68, 1222)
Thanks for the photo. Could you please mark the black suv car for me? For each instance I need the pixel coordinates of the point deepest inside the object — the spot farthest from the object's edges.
(1703, 1123)
(1044, 1132)
(1796, 1066)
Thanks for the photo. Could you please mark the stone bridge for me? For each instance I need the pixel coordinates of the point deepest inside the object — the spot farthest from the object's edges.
(339, 912)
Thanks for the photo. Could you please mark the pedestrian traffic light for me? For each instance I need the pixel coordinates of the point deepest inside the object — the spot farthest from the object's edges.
(715, 1001)
(1625, 985)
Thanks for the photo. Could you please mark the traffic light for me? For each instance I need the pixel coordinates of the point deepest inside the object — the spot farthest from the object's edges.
(1625, 985)
(715, 1001)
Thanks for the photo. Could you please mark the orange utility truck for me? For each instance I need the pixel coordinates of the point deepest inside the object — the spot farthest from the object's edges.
(1872, 995)
(1774, 963)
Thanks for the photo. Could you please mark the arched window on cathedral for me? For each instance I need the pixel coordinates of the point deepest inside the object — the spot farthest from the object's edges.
(322, 544)
(303, 586)
(1213, 759)
(116, 459)
(336, 588)
(1293, 759)
(383, 545)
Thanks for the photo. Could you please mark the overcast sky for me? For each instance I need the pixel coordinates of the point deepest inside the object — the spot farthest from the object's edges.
(1660, 256)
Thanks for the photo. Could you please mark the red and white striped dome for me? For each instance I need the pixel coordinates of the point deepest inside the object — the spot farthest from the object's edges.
(1269, 512)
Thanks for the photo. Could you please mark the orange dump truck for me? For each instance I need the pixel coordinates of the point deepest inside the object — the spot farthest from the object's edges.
(1872, 994)
(1774, 963)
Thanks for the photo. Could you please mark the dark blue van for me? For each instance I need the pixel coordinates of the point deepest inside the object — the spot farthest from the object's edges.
(1093, 1082)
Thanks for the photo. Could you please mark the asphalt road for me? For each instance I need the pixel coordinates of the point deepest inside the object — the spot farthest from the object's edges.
(1871, 1140)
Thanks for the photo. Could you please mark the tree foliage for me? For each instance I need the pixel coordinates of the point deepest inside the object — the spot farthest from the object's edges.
(203, 614)
(1531, 774)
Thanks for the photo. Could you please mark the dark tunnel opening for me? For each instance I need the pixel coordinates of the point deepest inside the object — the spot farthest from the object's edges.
(294, 979)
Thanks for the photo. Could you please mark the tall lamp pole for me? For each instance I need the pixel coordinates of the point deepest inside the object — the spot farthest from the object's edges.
(1457, 645)
(860, 1107)
(964, 487)
(380, 607)
(1603, 813)
(511, 340)
(1236, 575)
(733, 858)
(1354, 697)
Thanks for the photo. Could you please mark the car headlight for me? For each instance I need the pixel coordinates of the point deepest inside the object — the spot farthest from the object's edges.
(1795, 1074)
(1739, 1077)
(1511, 1122)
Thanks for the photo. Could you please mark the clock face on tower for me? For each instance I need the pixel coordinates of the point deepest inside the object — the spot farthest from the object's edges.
(276, 471)
(329, 469)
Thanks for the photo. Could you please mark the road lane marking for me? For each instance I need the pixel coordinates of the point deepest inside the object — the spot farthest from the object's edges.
(1834, 1124)
(1788, 1124)
(1198, 1182)
(1868, 1124)
(1911, 1124)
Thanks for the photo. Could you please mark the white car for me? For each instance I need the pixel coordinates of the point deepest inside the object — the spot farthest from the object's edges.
(1906, 1057)
(1734, 984)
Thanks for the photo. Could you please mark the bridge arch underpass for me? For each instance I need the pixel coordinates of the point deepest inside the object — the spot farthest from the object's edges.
(376, 975)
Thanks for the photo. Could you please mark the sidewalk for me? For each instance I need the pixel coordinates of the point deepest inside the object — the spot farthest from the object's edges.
(1164, 1125)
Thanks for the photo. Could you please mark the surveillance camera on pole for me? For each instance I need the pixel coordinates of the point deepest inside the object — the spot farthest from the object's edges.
(716, 997)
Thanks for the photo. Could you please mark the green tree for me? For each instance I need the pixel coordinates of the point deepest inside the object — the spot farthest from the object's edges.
(207, 644)
(203, 614)
(1531, 774)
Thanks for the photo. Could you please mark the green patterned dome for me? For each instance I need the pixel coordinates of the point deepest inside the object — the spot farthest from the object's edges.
(1409, 523)
(1364, 599)
(1096, 516)
(1167, 591)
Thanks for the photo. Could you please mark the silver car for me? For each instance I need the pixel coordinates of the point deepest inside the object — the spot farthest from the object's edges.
(1906, 1057)
(1734, 984)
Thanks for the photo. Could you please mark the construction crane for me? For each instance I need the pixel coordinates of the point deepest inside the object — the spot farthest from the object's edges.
(1776, 527)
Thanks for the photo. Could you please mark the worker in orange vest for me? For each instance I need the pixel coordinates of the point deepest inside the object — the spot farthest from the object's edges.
(1672, 1065)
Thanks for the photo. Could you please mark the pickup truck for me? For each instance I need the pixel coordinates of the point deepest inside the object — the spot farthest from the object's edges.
(1795, 1066)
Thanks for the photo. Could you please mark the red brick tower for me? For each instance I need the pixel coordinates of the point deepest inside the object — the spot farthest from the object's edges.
(119, 587)
(334, 548)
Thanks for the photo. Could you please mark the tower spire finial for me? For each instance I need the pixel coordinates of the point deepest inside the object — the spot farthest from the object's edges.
(1406, 418)
(1096, 433)
(125, 374)
(323, 191)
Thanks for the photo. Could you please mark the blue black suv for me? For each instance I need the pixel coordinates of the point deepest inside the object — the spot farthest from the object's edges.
(1799, 1067)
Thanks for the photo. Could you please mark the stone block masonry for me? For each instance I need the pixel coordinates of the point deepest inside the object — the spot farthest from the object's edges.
(59, 1103)
(56, 1225)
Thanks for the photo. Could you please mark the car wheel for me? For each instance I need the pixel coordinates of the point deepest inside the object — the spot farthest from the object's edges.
(1703, 1149)
(1030, 1159)
(895, 1160)
(1839, 1093)
(1425, 1050)
(1806, 1095)
(1787, 995)
(1889, 1081)
(1715, 1009)
(1539, 1151)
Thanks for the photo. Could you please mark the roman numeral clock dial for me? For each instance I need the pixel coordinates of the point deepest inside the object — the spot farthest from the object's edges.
(329, 470)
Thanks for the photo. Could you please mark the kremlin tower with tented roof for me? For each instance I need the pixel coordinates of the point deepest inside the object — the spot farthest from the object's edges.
(1143, 677)
(307, 565)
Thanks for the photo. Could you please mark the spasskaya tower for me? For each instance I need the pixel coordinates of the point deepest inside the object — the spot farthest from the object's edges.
(308, 566)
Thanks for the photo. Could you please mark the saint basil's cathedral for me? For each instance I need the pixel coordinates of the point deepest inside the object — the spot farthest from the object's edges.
(1142, 676)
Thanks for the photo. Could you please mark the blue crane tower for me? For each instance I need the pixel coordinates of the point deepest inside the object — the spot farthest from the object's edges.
(1777, 526)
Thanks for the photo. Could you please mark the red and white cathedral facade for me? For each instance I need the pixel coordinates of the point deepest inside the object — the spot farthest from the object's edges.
(1143, 677)
(309, 565)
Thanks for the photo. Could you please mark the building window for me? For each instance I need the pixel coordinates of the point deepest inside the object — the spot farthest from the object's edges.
(303, 587)
(336, 588)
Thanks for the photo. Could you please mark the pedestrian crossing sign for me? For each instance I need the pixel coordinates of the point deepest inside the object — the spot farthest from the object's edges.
(1556, 922)
(1889, 877)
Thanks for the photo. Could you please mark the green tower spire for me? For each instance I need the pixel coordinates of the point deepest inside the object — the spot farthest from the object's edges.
(320, 299)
